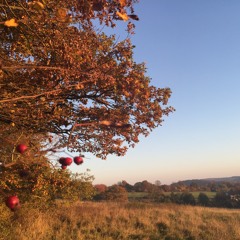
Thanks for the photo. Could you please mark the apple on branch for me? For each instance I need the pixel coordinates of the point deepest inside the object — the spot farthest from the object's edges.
(12, 202)
(21, 148)
(78, 160)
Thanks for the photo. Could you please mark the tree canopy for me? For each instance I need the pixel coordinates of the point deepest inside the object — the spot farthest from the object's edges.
(61, 75)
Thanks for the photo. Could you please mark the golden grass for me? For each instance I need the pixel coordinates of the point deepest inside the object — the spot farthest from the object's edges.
(105, 221)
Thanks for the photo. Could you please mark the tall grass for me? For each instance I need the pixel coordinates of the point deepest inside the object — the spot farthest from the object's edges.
(105, 221)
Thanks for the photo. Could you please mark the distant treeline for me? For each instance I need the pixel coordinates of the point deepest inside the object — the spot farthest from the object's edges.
(205, 193)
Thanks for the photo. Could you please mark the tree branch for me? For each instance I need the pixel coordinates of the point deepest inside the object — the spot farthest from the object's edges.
(32, 66)
(42, 94)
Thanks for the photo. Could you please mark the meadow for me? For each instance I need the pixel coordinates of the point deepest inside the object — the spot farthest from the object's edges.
(140, 195)
(112, 221)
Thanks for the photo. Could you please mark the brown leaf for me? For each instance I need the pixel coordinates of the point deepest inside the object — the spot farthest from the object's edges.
(134, 17)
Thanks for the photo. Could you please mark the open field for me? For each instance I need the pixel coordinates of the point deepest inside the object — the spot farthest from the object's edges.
(112, 221)
(210, 195)
(138, 195)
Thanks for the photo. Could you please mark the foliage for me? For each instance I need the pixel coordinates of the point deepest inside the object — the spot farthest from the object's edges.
(113, 193)
(61, 75)
(100, 188)
(187, 198)
(203, 199)
(223, 199)
(41, 183)
(33, 177)
(144, 186)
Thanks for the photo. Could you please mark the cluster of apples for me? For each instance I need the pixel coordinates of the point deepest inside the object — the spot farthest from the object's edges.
(67, 161)
(12, 202)
(64, 161)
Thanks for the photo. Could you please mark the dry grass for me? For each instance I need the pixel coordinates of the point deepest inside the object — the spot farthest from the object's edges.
(105, 221)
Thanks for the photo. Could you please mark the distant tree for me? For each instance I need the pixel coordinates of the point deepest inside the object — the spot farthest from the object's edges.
(100, 188)
(212, 186)
(156, 195)
(138, 187)
(222, 199)
(187, 198)
(193, 187)
(166, 188)
(115, 193)
(175, 198)
(223, 187)
(144, 186)
(178, 187)
(203, 199)
(127, 186)
(158, 183)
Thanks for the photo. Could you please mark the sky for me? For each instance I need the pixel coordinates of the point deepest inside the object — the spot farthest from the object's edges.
(193, 47)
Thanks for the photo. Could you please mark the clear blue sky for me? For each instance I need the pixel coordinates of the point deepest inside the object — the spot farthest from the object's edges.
(193, 47)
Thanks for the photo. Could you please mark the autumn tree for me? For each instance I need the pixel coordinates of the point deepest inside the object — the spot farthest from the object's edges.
(100, 188)
(115, 193)
(62, 76)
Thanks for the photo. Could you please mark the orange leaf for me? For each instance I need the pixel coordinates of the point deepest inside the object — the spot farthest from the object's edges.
(123, 16)
(123, 2)
(11, 23)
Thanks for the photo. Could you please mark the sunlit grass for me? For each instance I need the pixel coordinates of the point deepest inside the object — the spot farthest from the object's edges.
(105, 221)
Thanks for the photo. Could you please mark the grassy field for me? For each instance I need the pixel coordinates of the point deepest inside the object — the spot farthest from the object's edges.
(211, 195)
(138, 195)
(119, 221)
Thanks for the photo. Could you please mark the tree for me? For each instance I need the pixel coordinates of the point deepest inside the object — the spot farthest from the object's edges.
(222, 199)
(203, 199)
(187, 198)
(100, 188)
(115, 193)
(144, 186)
(158, 183)
(62, 76)
(64, 83)
(126, 185)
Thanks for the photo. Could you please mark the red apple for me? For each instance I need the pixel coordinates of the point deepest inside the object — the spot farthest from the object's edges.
(67, 161)
(78, 160)
(64, 167)
(13, 202)
(61, 160)
(21, 148)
